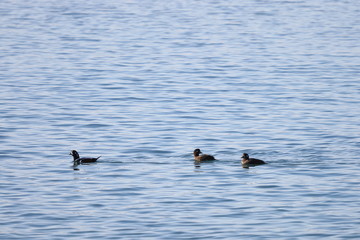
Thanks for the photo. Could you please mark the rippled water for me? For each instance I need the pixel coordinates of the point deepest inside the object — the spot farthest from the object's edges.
(144, 83)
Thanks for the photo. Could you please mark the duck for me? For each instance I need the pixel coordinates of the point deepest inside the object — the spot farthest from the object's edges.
(79, 160)
(203, 157)
(251, 161)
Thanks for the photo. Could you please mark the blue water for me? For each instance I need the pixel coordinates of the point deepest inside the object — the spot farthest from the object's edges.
(144, 83)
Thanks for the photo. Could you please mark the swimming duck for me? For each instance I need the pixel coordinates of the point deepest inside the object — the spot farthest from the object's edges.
(251, 161)
(203, 157)
(78, 160)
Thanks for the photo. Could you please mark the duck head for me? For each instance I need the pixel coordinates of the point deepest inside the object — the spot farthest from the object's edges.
(245, 156)
(75, 154)
(197, 152)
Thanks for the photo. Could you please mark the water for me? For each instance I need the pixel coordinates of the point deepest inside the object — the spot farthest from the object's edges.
(144, 83)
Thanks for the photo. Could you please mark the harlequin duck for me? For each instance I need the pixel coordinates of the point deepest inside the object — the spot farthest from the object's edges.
(251, 161)
(78, 160)
(203, 157)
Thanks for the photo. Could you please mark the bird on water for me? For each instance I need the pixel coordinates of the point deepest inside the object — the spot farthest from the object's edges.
(246, 160)
(79, 160)
(198, 156)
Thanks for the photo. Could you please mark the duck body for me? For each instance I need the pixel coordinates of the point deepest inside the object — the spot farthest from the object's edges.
(79, 160)
(202, 157)
(251, 161)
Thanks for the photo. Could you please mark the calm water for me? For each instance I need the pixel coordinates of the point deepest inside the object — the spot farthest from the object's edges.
(144, 83)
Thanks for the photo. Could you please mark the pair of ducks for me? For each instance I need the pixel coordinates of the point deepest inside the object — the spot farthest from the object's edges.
(246, 160)
(198, 156)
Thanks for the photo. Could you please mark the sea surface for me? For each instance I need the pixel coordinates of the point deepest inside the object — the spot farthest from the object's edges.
(143, 83)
